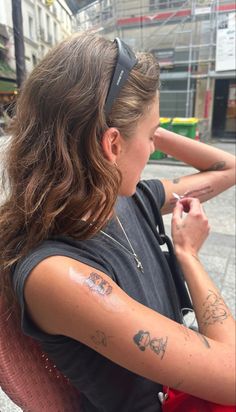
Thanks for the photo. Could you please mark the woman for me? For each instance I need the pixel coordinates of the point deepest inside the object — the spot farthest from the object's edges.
(76, 249)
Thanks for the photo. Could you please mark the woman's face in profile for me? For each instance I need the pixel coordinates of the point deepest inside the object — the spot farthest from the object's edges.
(137, 149)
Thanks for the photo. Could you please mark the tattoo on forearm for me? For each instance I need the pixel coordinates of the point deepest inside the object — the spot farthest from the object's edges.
(215, 309)
(157, 345)
(201, 191)
(97, 284)
(203, 339)
(216, 166)
(99, 338)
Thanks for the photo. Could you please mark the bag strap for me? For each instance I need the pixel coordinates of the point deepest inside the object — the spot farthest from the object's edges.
(162, 239)
(161, 236)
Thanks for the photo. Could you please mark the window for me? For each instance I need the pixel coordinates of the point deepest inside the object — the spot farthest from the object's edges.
(165, 4)
(55, 32)
(48, 23)
(31, 27)
(34, 60)
(40, 16)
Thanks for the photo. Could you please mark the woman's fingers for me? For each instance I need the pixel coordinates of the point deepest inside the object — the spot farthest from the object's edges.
(178, 211)
(189, 231)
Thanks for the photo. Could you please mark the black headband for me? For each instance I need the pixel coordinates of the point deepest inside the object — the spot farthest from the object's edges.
(126, 60)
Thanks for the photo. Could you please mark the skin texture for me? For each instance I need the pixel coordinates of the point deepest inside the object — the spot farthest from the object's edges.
(96, 312)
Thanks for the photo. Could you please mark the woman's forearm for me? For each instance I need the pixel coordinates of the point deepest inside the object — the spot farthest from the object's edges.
(214, 318)
(199, 155)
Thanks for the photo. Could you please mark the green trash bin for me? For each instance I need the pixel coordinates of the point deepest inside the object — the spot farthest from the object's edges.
(186, 126)
(165, 122)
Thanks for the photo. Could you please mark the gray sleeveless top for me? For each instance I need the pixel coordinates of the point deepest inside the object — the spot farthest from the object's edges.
(105, 386)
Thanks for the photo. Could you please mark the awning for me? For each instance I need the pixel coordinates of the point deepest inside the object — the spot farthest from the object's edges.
(6, 72)
(7, 87)
(174, 76)
(223, 75)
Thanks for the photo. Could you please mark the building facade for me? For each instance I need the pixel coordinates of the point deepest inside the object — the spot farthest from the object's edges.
(194, 42)
(45, 22)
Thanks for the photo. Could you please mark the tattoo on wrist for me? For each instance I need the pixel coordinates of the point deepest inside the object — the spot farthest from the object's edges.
(97, 284)
(216, 166)
(158, 345)
(215, 309)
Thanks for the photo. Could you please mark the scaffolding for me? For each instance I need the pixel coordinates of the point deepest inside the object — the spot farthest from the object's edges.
(181, 33)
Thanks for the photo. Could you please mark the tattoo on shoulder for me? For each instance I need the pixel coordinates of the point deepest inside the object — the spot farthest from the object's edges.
(158, 345)
(176, 180)
(203, 339)
(97, 284)
(216, 166)
(215, 309)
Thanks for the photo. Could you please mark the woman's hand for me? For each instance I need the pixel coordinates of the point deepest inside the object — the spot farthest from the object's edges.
(189, 231)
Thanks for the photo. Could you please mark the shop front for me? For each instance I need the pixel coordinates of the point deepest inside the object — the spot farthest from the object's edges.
(224, 108)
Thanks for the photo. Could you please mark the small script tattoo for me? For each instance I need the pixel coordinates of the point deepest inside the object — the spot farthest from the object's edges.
(216, 166)
(97, 284)
(158, 345)
(214, 309)
(201, 191)
(99, 338)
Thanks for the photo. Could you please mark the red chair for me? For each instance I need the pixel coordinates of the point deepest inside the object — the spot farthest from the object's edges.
(27, 376)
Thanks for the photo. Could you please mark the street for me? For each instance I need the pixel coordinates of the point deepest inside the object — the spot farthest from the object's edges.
(218, 252)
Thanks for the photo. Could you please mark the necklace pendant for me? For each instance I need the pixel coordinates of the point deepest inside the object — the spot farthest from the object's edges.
(138, 263)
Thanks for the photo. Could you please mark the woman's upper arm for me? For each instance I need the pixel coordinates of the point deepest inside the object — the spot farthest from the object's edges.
(64, 296)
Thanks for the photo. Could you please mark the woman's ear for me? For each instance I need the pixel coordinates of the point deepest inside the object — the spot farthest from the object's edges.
(111, 144)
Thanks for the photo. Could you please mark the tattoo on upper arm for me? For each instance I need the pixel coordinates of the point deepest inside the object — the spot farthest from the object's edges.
(216, 166)
(215, 309)
(183, 329)
(157, 345)
(97, 284)
(178, 384)
(187, 335)
(99, 338)
(203, 339)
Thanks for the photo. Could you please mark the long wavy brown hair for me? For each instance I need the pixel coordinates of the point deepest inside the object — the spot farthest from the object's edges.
(55, 169)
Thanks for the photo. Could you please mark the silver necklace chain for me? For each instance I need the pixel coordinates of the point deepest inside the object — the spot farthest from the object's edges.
(132, 252)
